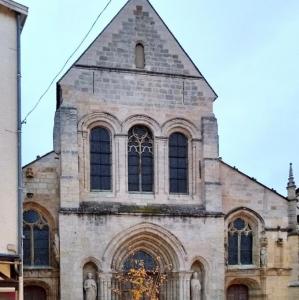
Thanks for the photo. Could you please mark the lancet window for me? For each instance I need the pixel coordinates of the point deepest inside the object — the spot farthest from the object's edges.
(240, 242)
(140, 159)
(100, 159)
(36, 239)
(178, 163)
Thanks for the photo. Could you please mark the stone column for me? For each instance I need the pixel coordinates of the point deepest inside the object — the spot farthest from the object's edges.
(195, 170)
(184, 285)
(105, 286)
(69, 178)
(121, 164)
(210, 164)
(161, 166)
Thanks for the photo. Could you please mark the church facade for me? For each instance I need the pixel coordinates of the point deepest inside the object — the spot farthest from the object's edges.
(136, 171)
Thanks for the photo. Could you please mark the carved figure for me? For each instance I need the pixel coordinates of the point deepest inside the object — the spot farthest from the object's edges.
(264, 257)
(90, 287)
(195, 287)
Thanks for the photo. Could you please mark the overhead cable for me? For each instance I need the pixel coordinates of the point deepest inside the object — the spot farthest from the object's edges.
(64, 65)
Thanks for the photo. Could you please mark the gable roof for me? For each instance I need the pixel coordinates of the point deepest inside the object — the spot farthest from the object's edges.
(252, 179)
(138, 21)
(38, 158)
(17, 7)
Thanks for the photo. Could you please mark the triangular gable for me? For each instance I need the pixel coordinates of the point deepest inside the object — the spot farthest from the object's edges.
(137, 22)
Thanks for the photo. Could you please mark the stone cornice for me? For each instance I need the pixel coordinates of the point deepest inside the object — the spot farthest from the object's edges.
(113, 208)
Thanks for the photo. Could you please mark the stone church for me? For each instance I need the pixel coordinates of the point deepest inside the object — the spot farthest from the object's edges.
(135, 171)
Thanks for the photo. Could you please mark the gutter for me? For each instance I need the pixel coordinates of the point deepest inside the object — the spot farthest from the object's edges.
(19, 145)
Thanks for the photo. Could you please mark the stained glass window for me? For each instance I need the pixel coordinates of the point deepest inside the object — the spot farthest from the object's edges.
(100, 159)
(141, 257)
(36, 239)
(178, 163)
(240, 242)
(140, 159)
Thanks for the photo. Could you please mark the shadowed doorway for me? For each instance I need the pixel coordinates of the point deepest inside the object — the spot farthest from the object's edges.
(238, 292)
(34, 293)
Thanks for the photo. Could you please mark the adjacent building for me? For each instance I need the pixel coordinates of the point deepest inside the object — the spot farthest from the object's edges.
(135, 172)
(12, 19)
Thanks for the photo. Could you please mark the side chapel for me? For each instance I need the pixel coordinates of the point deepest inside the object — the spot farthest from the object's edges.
(135, 170)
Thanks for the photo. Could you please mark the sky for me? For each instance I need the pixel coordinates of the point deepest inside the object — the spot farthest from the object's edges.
(247, 50)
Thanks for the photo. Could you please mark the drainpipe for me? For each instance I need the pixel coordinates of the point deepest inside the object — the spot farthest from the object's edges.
(19, 166)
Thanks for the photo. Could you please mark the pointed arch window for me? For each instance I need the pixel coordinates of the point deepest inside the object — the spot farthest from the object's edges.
(36, 239)
(139, 56)
(240, 242)
(140, 159)
(178, 163)
(100, 159)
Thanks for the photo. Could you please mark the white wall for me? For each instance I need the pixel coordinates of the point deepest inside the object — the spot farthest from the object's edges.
(8, 135)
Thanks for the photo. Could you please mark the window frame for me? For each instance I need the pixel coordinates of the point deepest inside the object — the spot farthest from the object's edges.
(187, 164)
(246, 230)
(257, 226)
(111, 159)
(41, 222)
(152, 141)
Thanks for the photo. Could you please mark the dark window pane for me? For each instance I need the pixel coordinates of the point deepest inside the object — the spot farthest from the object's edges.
(246, 249)
(239, 224)
(182, 187)
(174, 186)
(100, 159)
(182, 152)
(182, 173)
(178, 163)
(30, 216)
(133, 187)
(232, 249)
(27, 245)
(41, 246)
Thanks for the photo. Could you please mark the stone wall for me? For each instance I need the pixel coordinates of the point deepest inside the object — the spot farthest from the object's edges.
(94, 237)
(41, 193)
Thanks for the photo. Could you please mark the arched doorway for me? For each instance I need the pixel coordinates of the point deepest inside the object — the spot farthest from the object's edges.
(238, 292)
(34, 293)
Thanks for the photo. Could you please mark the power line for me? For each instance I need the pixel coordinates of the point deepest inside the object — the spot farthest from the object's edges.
(66, 62)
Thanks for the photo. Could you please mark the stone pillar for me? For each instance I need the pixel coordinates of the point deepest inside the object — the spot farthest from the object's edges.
(195, 170)
(161, 166)
(210, 165)
(69, 177)
(184, 285)
(293, 241)
(122, 164)
(170, 287)
(105, 286)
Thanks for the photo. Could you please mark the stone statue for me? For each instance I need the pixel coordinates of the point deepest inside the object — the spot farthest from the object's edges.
(195, 287)
(90, 287)
(264, 257)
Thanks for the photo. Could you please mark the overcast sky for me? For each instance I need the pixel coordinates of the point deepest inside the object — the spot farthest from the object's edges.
(247, 50)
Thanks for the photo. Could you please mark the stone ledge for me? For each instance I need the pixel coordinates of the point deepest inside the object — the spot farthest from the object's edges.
(113, 208)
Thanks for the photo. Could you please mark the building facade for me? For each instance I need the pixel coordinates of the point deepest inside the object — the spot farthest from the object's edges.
(136, 171)
(12, 19)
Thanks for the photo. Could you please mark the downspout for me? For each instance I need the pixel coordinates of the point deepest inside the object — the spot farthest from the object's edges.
(19, 165)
